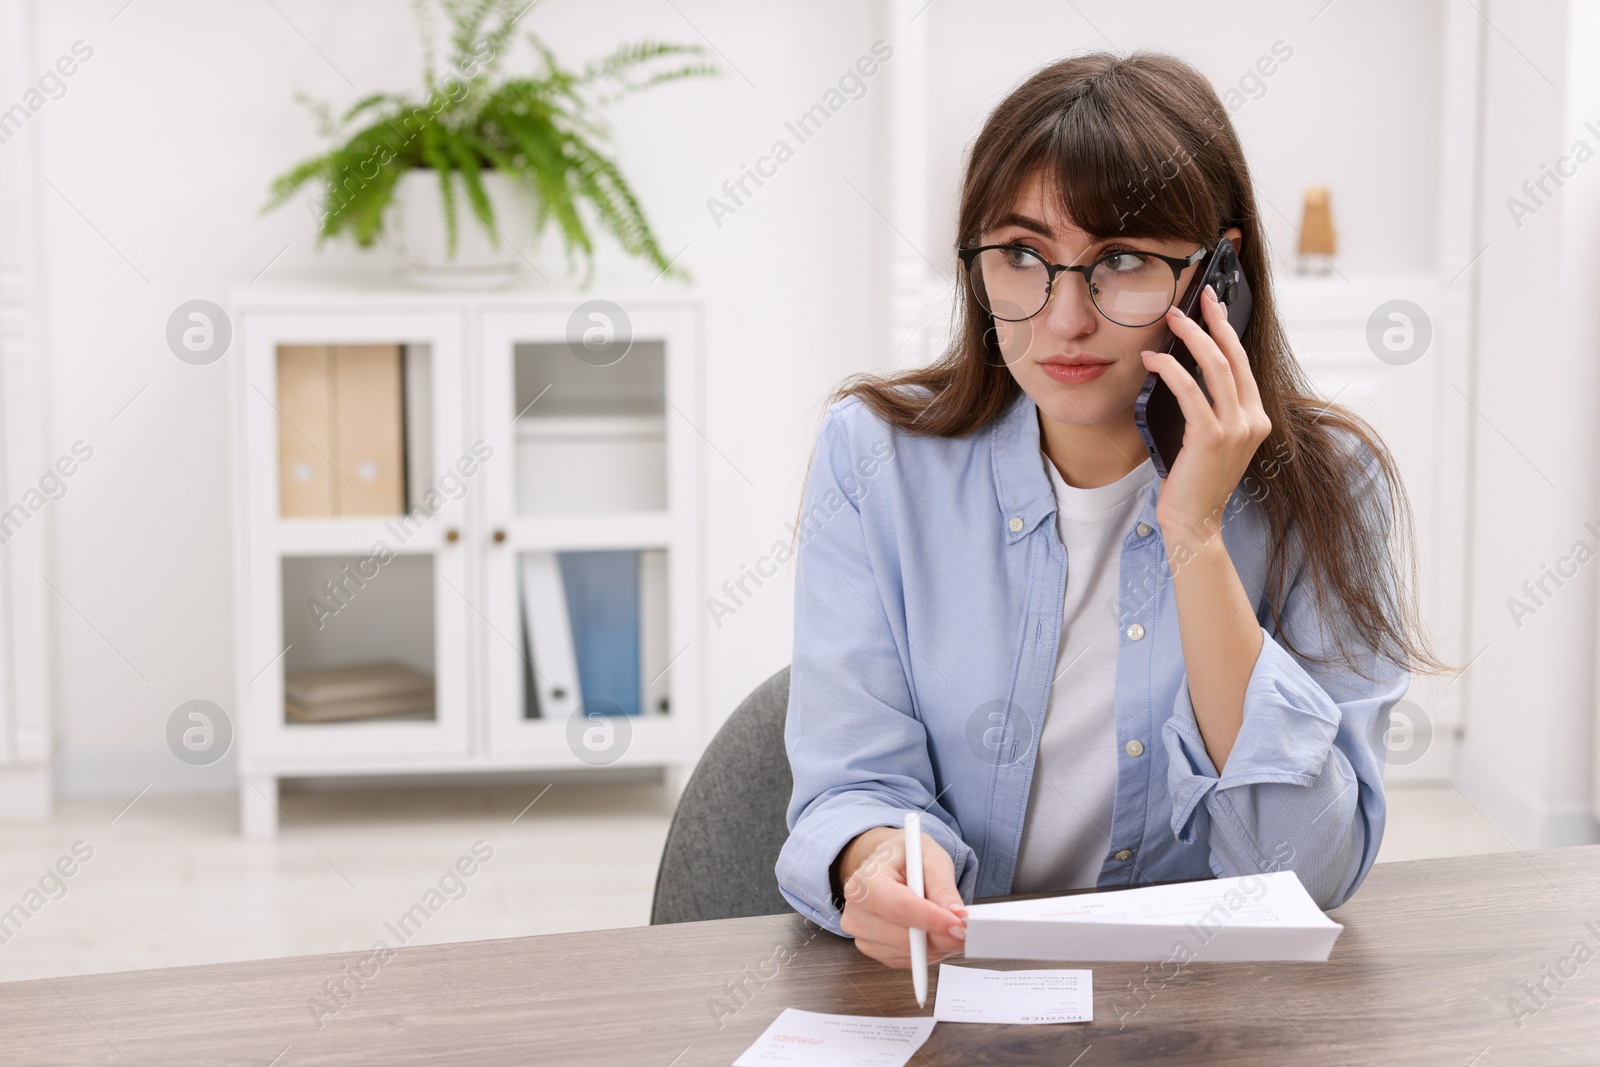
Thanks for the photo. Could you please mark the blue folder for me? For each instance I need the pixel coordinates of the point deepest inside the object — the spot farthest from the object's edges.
(602, 590)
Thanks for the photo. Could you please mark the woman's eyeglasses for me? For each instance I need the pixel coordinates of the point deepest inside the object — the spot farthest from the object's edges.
(1013, 282)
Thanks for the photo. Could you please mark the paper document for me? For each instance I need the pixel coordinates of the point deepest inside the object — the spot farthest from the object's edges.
(972, 995)
(812, 1039)
(1256, 917)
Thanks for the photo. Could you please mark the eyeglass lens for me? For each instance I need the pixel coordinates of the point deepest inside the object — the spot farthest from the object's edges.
(1130, 289)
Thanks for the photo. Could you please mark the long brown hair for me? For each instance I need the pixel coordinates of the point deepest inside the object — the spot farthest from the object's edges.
(1140, 146)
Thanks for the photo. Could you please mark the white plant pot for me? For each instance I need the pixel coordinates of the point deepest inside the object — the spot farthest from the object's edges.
(477, 263)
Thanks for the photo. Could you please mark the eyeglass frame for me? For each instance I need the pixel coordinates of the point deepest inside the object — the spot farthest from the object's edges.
(1178, 264)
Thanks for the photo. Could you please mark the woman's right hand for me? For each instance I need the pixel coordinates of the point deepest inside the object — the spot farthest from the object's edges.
(880, 908)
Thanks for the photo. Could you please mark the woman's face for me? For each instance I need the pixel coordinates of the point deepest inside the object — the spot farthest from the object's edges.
(1069, 327)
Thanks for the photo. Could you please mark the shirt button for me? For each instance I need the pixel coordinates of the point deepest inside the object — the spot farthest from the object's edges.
(1015, 523)
(1135, 632)
(1134, 748)
(1125, 854)
(1144, 529)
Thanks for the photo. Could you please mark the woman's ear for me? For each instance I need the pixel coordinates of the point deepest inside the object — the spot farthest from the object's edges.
(1236, 235)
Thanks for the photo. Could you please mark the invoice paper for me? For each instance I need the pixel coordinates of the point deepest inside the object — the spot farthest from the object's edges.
(973, 995)
(813, 1039)
(1256, 917)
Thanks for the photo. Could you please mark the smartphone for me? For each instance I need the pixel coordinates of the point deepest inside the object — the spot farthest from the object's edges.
(1156, 411)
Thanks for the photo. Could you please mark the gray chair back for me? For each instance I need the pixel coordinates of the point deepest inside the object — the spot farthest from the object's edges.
(732, 820)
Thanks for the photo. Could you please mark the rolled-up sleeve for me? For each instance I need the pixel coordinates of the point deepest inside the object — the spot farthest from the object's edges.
(1302, 788)
(856, 746)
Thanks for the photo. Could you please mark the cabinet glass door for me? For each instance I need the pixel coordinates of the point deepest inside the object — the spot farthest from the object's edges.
(357, 473)
(589, 516)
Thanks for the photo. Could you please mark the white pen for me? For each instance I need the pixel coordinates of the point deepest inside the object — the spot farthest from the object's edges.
(919, 938)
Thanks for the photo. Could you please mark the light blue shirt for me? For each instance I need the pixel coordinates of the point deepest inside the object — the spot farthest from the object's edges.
(928, 607)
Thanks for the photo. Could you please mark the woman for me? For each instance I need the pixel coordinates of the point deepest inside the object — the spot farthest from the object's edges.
(1083, 674)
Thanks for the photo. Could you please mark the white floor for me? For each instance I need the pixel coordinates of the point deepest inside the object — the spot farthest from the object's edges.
(170, 881)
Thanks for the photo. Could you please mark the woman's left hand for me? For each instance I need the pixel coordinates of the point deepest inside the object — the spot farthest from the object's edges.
(1219, 438)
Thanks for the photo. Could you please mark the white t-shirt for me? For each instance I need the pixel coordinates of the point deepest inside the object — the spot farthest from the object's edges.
(1065, 838)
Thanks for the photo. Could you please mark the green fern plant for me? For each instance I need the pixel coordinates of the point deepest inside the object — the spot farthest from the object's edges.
(543, 130)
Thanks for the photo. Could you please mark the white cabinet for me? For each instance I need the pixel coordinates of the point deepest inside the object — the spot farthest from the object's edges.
(546, 481)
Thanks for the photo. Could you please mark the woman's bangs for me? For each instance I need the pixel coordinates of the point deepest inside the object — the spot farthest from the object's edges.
(1125, 177)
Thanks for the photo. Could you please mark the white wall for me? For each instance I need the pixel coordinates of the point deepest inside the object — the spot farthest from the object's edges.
(161, 150)
(1526, 760)
(163, 144)
(1354, 107)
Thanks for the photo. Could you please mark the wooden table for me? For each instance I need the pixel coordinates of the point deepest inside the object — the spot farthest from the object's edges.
(1433, 955)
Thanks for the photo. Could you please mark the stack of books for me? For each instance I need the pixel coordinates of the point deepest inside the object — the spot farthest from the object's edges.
(357, 691)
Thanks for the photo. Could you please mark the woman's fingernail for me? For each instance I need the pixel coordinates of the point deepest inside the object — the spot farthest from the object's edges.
(1211, 293)
(958, 932)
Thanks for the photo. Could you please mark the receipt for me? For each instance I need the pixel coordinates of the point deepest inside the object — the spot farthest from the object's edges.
(973, 995)
(813, 1039)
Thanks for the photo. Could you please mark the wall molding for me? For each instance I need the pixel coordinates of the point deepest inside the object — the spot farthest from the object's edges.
(99, 772)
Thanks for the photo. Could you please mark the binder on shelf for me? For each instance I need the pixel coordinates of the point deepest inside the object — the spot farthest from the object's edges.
(595, 627)
(602, 589)
(417, 400)
(654, 654)
(369, 440)
(305, 431)
(341, 430)
(556, 692)
(357, 691)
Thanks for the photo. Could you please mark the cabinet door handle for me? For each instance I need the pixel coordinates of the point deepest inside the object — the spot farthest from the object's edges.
(452, 535)
(499, 537)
